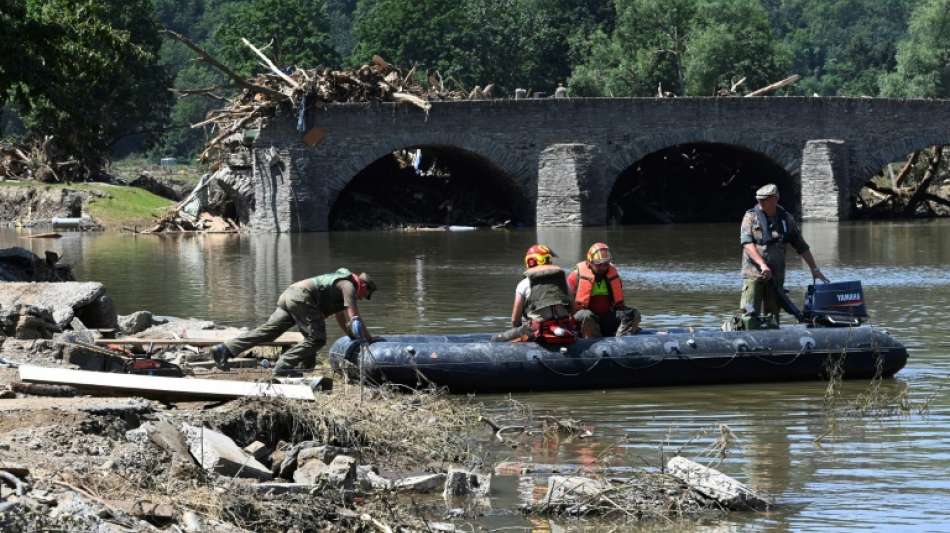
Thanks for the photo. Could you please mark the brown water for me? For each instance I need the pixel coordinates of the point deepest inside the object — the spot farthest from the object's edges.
(872, 473)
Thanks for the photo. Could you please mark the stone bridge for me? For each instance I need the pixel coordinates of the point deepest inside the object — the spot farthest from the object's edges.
(564, 155)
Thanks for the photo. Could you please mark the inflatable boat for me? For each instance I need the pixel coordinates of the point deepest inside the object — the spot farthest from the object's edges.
(689, 356)
(830, 337)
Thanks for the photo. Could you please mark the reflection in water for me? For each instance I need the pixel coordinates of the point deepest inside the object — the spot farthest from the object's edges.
(891, 468)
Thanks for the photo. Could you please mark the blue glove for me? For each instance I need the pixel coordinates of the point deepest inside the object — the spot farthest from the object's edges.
(358, 328)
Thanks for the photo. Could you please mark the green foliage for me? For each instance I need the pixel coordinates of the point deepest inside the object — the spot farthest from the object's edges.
(684, 46)
(840, 48)
(92, 76)
(291, 32)
(923, 59)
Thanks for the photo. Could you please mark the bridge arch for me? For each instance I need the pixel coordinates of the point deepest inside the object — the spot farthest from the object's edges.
(698, 182)
(453, 184)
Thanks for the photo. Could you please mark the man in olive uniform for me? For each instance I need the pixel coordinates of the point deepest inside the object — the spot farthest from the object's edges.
(766, 229)
(307, 304)
(541, 298)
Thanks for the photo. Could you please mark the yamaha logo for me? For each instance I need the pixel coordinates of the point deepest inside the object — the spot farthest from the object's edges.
(849, 297)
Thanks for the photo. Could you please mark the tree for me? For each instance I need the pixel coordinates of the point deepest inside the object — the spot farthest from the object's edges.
(294, 33)
(923, 59)
(94, 77)
(682, 46)
(411, 32)
(840, 48)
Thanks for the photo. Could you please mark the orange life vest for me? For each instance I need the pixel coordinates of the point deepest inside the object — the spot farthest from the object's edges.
(585, 286)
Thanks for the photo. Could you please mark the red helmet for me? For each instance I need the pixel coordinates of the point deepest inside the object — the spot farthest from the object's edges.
(599, 254)
(538, 254)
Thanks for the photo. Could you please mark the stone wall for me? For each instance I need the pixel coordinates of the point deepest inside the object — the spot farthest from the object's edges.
(296, 184)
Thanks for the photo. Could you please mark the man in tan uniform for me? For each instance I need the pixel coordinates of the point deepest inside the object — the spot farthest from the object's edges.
(765, 230)
(307, 304)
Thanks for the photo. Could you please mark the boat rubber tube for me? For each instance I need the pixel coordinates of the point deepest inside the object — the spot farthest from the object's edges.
(695, 356)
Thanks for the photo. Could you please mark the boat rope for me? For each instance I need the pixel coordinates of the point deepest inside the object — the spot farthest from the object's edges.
(616, 361)
(695, 362)
(776, 363)
(567, 374)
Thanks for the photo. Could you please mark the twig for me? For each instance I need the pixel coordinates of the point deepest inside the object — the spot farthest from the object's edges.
(270, 64)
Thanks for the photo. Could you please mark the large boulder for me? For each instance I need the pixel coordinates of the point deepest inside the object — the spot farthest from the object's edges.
(19, 264)
(86, 301)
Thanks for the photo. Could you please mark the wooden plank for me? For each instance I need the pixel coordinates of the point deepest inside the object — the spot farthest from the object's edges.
(287, 339)
(110, 384)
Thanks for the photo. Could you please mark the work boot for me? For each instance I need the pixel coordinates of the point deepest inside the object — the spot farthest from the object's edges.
(287, 372)
(220, 353)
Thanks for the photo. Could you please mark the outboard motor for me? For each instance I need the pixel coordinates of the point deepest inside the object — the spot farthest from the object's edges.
(835, 304)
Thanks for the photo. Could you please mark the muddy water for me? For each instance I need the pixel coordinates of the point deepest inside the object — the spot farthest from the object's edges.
(885, 472)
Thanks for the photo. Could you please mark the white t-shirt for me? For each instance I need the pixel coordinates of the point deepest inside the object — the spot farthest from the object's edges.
(524, 288)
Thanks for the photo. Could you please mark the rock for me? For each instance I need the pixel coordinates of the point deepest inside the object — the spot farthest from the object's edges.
(712, 483)
(20, 264)
(217, 453)
(7, 394)
(66, 300)
(257, 450)
(289, 463)
(191, 522)
(566, 491)
(324, 453)
(422, 484)
(341, 473)
(136, 322)
(461, 482)
(369, 479)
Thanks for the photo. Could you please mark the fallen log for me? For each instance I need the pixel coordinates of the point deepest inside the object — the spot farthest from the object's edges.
(905, 170)
(712, 483)
(929, 175)
(775, 86)
(160, 388)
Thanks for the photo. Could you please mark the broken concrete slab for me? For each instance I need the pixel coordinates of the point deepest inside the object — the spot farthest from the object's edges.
(566, 491)
(422, 484)
(164, 435)
(217, 453)
(310, 472)
(86, 300)
(461, 482)
(289, 462)
(712, 483)
(257, 450)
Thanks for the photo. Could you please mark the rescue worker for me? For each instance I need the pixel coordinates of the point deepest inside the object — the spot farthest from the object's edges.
(765, 231)
(307, 304)
(541, 298)
(597, 293)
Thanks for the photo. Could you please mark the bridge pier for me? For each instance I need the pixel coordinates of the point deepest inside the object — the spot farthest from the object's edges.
(825, 180)
(571, 188)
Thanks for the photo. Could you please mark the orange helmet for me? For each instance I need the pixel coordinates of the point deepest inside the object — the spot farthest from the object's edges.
(538, 254)
(599, 254)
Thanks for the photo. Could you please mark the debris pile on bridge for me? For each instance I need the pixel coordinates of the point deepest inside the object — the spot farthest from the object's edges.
(303, 88)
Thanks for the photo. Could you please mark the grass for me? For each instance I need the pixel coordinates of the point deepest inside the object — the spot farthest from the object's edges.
(119, 206)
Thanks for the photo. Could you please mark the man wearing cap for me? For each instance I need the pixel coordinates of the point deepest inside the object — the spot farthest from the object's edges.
(765, 230)
(307, 304)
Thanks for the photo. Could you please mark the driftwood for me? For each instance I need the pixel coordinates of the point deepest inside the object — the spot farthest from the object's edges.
(905, 170)
(929, 175)
(775, 86)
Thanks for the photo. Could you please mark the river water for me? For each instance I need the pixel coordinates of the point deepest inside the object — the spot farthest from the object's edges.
(877, 471)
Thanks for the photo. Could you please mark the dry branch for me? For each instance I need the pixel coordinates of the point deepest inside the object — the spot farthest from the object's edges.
(918, 195)
(775, 86)
(905, 170)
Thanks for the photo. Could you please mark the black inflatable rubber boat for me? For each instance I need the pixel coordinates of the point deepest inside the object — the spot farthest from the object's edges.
(694, 356)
